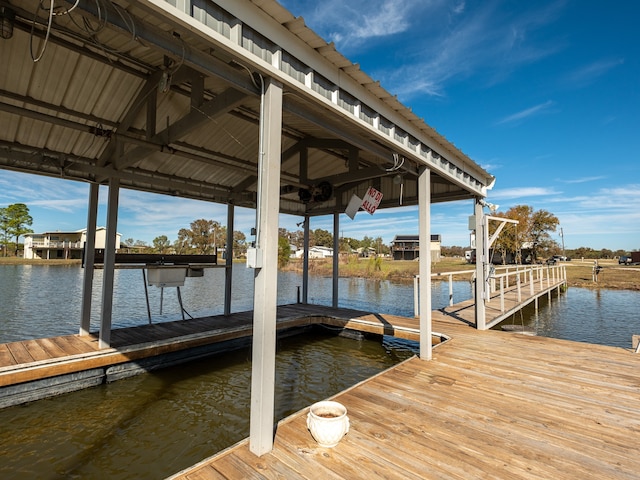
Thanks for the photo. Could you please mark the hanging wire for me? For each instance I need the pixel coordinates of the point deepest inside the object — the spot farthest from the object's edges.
(38, 57)
(398, 162)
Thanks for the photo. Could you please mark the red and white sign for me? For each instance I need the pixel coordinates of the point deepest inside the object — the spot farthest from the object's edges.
(371, 200)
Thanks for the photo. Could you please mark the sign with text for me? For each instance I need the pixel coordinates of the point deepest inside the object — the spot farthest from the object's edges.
(371, 200)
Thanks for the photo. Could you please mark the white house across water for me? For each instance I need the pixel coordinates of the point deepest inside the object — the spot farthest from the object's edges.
(63, 245)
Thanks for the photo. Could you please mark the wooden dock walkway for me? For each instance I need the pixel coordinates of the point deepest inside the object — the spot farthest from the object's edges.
(489, 405)
(34, 369)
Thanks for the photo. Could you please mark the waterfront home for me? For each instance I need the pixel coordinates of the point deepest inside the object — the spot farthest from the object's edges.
(62, 245)
(320, 252)
(407, 247)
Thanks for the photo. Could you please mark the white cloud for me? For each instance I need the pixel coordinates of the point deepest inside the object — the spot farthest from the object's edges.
(590, 73)
(482, 42)
(536, 110)
(350, 24)
(583, 179)
(521, 192)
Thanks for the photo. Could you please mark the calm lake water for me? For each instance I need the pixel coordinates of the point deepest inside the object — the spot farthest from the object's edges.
(154, 425)
(42, 301)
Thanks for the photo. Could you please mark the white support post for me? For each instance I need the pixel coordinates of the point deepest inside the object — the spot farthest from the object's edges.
(108, 272)
(228, 252)
(424, 231)
(261, 425)
(450, 290)
(305, 262)
(502, 294)
(89, 258)
(531, 290)
(481, 276)
(336, 258)
(416, 296)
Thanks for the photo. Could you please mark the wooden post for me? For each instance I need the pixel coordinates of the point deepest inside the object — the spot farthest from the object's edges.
(424, 235)
(89, 257)
(108, 272)
(261, 425)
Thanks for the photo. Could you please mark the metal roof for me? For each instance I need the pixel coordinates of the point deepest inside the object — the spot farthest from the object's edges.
(167, 100)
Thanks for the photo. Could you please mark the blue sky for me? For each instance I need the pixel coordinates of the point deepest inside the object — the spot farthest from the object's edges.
(544, 95)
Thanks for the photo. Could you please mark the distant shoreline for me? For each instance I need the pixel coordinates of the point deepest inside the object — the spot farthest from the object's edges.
(579, 274)
(24, 261)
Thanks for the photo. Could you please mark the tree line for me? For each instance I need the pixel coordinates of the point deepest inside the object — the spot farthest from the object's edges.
(205, 236)
(529, 240)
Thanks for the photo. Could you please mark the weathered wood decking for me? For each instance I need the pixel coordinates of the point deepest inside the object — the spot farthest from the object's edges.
(489, 405)
(30, 360)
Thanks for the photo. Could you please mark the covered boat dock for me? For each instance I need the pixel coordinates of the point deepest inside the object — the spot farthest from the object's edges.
(234, 102)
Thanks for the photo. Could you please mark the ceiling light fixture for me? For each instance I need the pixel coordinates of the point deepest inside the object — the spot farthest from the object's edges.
(7, 20)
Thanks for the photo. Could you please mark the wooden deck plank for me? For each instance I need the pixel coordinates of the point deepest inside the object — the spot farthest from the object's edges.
(20, 353)
(66, 344)
(52, 348)
(35, 350)
(6, 358)
(81, 344)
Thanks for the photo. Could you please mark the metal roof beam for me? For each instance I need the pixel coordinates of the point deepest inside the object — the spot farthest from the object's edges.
(211, 110)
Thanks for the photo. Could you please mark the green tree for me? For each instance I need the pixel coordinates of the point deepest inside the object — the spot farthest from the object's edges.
(284, 251)
(542, 223)
(161, 244)
(239, 243)
(4, 230)
(203, 235)
(533, 230)
(321, 238)
(181, 245)
(18, 221)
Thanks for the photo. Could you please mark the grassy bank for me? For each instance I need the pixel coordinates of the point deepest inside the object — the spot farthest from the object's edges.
(579, 273)
(22, 261)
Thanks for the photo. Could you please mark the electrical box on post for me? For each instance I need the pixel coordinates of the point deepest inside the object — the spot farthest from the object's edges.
(254, 258)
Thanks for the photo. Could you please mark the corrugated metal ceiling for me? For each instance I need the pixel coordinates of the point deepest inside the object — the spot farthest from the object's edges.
(105, 100)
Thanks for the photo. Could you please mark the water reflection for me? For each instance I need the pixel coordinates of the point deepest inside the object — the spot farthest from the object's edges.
(605, 317)
(42, 301)
(153, 425)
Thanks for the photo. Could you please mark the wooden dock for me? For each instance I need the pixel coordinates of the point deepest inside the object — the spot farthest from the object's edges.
(34, 369)
(489, 405)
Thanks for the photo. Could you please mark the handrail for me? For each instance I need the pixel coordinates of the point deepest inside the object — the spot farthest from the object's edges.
(521, 273)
